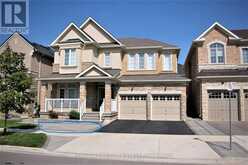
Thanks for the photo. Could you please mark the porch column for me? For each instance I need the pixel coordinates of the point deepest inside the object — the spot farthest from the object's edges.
(43, 93)
(82, 95)
(107, 103)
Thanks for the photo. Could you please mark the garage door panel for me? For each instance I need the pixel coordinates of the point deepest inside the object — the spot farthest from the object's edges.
(165, 107)
(133, 107)
(218, 105)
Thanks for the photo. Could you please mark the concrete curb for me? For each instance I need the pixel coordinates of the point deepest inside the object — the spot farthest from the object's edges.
(123, 157)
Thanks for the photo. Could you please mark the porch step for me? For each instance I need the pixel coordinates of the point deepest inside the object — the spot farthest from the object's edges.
(91, 116)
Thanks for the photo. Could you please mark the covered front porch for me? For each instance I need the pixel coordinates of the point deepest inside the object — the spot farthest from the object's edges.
(82, 96)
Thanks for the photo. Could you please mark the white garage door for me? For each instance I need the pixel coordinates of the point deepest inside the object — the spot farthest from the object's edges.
(218, 105)
(133, 107)
(166, 107)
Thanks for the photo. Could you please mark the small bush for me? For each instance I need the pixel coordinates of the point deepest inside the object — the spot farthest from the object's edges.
(74, 115)
(53, 115)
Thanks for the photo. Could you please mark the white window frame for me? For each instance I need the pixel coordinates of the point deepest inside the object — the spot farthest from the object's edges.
(129, 62)
(70, 55)
(107, 54)
(209, 53)
(164, 67)
(153, 62)
(242, 55)
(138, 61)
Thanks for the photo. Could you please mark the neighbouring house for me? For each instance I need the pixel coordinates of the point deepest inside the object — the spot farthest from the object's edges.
(38, 58)
(125, 78)
(218, 61)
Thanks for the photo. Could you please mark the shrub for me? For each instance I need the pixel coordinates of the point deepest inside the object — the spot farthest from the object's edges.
(74, 115)
(53, 115)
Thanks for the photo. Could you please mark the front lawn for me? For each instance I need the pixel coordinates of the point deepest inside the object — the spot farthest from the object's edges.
(17, 125)
(23, 139)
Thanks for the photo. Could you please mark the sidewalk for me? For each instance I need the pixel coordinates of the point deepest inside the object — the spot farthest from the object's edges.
(141, 147)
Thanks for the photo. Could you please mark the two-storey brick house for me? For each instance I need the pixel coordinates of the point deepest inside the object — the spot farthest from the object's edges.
(129, 78)
(218, 58)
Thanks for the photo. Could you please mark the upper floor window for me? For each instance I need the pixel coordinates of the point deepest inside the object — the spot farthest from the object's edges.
(141, 57)
(131, 61)
(245, 55)
(217, 53)
(70, 57)
(107, 59)
(167, 62)
(150, 61)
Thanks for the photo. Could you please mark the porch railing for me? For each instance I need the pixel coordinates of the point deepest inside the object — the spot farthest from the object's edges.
(62, 105)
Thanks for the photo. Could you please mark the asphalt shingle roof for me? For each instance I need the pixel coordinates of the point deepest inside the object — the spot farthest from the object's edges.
(143, 42)
(242, 33)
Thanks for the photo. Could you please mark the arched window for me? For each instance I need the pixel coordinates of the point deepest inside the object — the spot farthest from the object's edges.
(217, 53)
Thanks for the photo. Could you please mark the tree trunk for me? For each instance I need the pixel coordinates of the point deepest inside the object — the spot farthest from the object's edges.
(5, 123)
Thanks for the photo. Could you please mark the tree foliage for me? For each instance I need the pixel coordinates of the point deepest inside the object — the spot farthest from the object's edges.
(15, 82)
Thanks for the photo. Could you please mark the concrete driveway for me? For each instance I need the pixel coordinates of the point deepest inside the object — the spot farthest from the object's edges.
(238, 128)
(147, 127)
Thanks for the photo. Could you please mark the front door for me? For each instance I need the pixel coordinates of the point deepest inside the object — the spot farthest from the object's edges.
(101, 95)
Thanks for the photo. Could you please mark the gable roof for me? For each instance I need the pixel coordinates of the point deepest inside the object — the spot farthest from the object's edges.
(132, 42)
(218, 25)
(242, 33)
(89, 19)
(97, 68)
(44, 50)
(71, 25)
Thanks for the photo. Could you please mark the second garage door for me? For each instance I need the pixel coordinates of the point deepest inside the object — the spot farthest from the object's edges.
(133, 107)
(218, 105)
(165, 107)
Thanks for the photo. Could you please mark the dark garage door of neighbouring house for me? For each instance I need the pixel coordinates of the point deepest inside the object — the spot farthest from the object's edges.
(165, 107)
(218, 105)
(246, 104)
(133, 107)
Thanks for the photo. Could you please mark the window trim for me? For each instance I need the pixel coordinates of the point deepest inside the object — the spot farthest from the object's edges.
(147, 60)
(241, 55)
(171, 63)
(138, 60)
(128, 61)
(107, 66)
(209, 52)
(70, 50)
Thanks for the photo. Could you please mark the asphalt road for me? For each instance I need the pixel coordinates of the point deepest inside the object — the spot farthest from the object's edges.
(8, 158)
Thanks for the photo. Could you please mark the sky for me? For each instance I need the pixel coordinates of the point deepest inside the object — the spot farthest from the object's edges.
(172, 21)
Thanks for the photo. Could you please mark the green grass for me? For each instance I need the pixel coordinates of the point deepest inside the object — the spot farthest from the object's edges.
(23, 139)
(17, 125)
